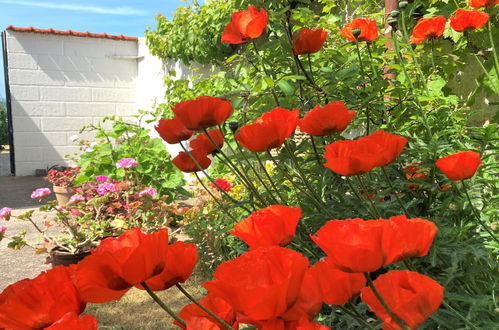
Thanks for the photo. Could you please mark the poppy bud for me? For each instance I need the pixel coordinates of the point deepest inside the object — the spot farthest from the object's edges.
(356, 32)
(394, 13)
(403, 4)
(233, 125)
(393, 22)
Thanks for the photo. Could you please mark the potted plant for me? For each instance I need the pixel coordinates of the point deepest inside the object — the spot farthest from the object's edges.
(62, 181)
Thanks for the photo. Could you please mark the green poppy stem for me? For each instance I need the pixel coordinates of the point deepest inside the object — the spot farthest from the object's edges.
(492, 44)
(197, 303)
(211, 180)
(162, 304)
(317, 157)
(366, 192)
(230, 165)
(384, 304)
(477, 215)
(449, 307)
(373, 214)
(394, 191)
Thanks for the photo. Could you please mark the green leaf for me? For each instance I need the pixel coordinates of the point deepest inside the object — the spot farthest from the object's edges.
(286, 87)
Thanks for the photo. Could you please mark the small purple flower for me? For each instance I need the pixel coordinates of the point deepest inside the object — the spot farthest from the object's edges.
(104, 188)
(102, 178)
(148, 191)
(2, 231)
(126, 163)
(40, 193)
(5, 213)
(76, 199)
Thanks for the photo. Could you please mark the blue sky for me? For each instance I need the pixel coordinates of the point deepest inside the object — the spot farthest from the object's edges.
(128, 17)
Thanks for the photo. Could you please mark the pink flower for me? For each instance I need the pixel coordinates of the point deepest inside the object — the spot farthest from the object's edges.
(222, 184)
(148, 191)
(40, 193)
(2, 231)
(102, 178)
(5, 213)
(75, 212)
(104, 188)
(76, 199)
(126, 163)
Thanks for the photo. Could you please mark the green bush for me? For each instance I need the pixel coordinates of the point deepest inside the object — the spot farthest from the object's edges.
(125, 140)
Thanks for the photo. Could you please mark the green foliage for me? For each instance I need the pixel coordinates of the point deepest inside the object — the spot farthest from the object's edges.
(435, 89)
(4, 132)
(125, 140)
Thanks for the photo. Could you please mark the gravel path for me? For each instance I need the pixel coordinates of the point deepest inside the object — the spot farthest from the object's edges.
(16, 265)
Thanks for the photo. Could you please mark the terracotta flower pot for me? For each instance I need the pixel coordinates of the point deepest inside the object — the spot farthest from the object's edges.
(62, 194)
(59, 257)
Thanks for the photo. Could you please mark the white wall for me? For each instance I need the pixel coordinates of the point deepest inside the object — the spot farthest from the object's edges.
(59, 84)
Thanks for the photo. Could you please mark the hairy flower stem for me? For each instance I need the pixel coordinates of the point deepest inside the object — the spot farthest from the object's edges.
(363, 71)
(241, 151)
(352, 188)
(262, 61)
(230, 165)
(366, 192)
(301, 174)
(432, 43)
(270, 178)
(212, 181)
(412, 89)
(304, 191)
(422, 78)
(394, 191)
(197, 303)
(384, 304)
(317, 157)
(355, 315)
(162, 304)
(477, 215)
(449, 307)
(492, 44)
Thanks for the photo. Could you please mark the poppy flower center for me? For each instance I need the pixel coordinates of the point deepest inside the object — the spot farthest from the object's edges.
(207, 123)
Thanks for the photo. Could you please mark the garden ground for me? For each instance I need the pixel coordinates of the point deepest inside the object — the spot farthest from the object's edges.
(16, 265)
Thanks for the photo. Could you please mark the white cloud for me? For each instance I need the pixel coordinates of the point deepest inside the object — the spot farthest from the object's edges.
(125, 11)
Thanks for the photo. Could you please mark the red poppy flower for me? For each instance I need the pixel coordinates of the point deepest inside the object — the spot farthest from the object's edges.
(406, 238)
(411, 296)
(221, 184)
(118, 264)
(202, 141)
(428, 28)
(245, 25)
(73, 322)
(260, 284)
(466, 20)
(38, 303)
(203, 112)
(269, 130)
(354, 245)
(358, 246)
(368, 29)
(309, 41)
(172, 130)
(459, 166)
(336, 287)
(482, 3)
(196, 318)
(353, 157)
(334, 117)
(272, 226)
(185, 163)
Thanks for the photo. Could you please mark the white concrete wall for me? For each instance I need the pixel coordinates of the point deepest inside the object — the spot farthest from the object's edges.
(59, 84)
